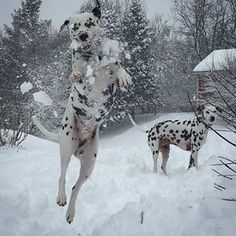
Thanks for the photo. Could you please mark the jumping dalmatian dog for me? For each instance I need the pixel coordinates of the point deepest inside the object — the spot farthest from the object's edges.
(189, 135)
(96, 75)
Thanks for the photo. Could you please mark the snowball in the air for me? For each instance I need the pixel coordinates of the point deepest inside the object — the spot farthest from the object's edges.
(127, 56)
(25, 87)
(43, 98)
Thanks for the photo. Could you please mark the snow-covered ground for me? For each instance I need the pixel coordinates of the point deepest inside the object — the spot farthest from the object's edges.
(121, 189)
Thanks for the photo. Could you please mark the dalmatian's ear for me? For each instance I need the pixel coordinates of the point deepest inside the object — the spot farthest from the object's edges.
(64, 25)
(97, 10)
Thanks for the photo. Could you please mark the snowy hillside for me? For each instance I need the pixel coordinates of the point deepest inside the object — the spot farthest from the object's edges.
(121, 189)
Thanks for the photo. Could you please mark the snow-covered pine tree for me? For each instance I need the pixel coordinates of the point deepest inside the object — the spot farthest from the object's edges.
(111, 19)
(23, 42)
(137, 35)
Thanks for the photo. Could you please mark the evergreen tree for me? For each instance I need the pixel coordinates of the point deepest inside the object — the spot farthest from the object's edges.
(137, 35)
(24, 42)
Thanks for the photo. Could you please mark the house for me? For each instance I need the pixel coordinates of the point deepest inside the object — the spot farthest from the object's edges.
(216, 66)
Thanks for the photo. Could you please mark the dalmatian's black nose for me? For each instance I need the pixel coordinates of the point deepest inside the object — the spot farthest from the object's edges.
(212, 119)
(83, 37)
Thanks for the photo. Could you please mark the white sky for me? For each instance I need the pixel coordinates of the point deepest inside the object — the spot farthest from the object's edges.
(59, 10)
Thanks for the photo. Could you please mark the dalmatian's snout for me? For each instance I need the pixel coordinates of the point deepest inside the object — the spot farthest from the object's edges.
(212, 119)
(83, 37)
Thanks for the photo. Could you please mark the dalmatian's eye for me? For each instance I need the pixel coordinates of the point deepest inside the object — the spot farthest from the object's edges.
(76, 26)
(89, 24)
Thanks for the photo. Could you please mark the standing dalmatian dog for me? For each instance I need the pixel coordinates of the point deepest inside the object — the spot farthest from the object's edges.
(96, 75)
(189, 135)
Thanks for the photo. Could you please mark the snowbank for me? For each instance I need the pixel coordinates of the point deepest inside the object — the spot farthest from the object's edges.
(121, 188)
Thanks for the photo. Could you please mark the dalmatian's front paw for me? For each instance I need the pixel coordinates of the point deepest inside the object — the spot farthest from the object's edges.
(124, 78)
(76, 77)
(70, 214)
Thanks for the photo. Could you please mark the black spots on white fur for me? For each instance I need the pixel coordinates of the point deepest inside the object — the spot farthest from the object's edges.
(185, 134)
(185, 122)
(189, 122)
(178, 141)
(200, 138)
(67, 133)
(171, 131)
(176, 131)
(66, 118)
(95, 155)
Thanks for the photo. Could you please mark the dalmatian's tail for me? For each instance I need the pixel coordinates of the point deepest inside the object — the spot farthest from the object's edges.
(137, 126)
(51, 136)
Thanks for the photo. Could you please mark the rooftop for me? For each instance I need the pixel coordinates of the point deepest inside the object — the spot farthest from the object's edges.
(217, 60)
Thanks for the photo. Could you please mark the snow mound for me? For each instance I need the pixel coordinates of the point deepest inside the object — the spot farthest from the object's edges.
(123, 196)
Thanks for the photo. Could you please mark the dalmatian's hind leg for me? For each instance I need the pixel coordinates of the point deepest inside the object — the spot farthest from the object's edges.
(87, 155)
(154, 146)
(165, 151)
